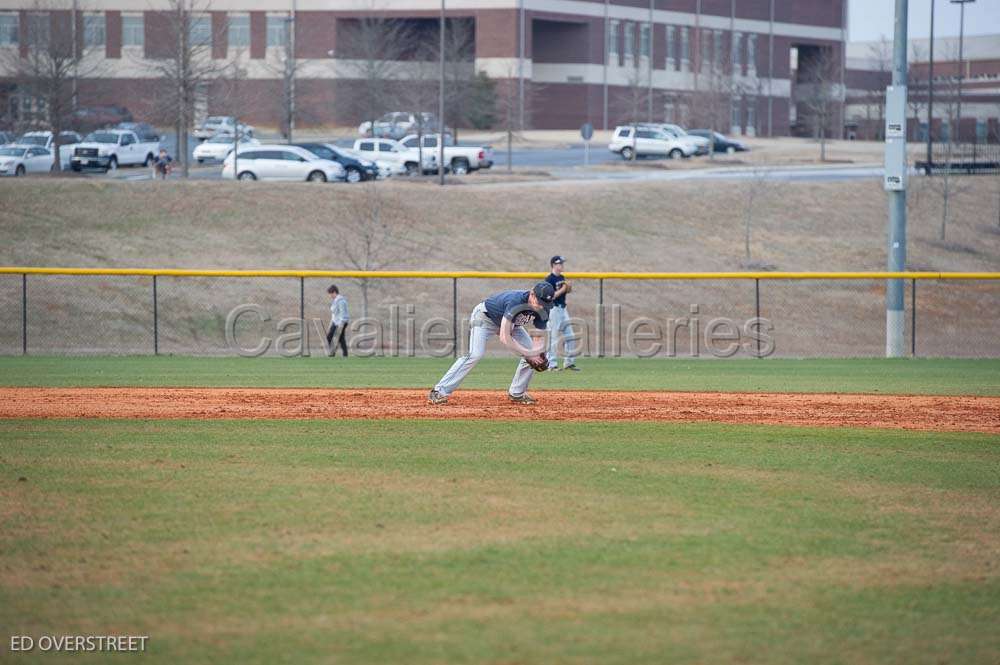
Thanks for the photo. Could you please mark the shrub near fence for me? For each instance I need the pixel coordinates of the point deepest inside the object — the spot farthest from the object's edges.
(221, 312)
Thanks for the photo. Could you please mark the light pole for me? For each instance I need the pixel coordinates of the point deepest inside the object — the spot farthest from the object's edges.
(961, 65)
(930, 98)
(441, 102)
(895, 185)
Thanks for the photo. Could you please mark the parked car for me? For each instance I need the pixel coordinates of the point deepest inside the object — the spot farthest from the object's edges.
(279, 162)
(403, 160)
(722, 143)
(356, 169)
(67, 142)
(88, 119)
(220, 124)
(143, 130)
(458, 159)
(107, 149)
(18, 159)
(397, 124)
(647, 142)
(220, 145)
(700, 144)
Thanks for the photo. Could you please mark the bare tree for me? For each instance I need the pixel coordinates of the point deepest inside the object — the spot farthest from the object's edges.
(948, 186)
(372, 49)
(633, 100)
(46, 68)
(819, 82)
(757, 187)
(508, 108)
(187, 67)
(286, 69)
(880, 55)
(369, 238)
(914, 100)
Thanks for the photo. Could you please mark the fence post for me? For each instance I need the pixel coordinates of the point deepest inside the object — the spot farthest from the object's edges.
(600, 318)
(913, 317)
(756, 310)
(302, 302)
(454, 317)
(156, 321)
(24, 314)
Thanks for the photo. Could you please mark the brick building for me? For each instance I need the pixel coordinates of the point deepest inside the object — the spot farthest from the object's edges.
(739, 65)
(869, 72)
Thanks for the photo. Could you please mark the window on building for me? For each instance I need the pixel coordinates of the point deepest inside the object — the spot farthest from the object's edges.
(706, 50)
(133, 31)
(717, 39)
(200, 31)
(629, 40)
(613, 47)
(980, 130)
(94, 30)
(644, 41)
(239, 31)
(685, 48)
(736, 57)
(277, 30)
(752, 51)
(735, 115)
(9, 29)
(751, 116)
(39, 26)
(670, 47)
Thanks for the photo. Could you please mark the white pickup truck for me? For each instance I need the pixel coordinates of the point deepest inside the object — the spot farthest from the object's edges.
(107, 149)
(459, 159)
(402, 160)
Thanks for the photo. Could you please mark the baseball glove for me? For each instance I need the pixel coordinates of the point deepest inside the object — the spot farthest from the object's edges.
(539, 363)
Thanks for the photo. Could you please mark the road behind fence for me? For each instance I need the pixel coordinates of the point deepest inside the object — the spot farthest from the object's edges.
(46, 311)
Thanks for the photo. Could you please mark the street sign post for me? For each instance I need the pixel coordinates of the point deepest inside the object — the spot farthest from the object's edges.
(587, 132)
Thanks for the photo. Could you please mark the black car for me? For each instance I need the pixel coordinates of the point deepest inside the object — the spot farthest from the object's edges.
(722, 143)
(355, 170)
(143, 130)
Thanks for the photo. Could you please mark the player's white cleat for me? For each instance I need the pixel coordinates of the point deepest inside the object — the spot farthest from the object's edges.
(523, 398)
(434, 397)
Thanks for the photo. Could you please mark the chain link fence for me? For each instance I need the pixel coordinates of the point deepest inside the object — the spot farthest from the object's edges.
(126, 314)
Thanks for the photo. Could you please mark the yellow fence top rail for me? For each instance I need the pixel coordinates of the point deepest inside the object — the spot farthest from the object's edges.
(476, 274)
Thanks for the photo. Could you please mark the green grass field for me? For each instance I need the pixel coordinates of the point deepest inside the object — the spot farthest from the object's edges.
(503, 542)
(904, 376)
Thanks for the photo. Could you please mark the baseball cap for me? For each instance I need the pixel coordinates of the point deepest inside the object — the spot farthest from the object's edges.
(557, 259)
(545, 294)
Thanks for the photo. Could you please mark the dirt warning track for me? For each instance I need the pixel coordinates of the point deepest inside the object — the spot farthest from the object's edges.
(978, 414)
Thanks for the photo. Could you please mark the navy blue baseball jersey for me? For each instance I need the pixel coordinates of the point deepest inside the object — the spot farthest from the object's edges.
(513, 305)
(556, 281)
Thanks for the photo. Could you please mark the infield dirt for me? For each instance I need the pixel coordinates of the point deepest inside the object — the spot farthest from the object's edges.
(944, 413)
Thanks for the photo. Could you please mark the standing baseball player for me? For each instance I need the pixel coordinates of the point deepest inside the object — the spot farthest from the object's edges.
(504, 314)
(559, 326)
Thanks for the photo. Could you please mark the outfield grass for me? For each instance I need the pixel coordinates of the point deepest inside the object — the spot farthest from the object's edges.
(502, 542)
(904, 376)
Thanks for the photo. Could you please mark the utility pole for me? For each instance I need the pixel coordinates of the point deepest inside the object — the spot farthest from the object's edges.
(961, 67)
(520, 65)
(441, 121)
(930, 99)
(895, 185)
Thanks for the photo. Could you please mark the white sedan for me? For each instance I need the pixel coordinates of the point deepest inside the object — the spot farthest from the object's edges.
(16, 160)
(220, 145)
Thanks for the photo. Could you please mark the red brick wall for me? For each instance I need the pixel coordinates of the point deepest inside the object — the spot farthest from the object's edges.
(315, 34)
(113, 44)
(497, 34)
(220, 35)
(754, 9)
(826, 13)
(258, 34)
(158, 28)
